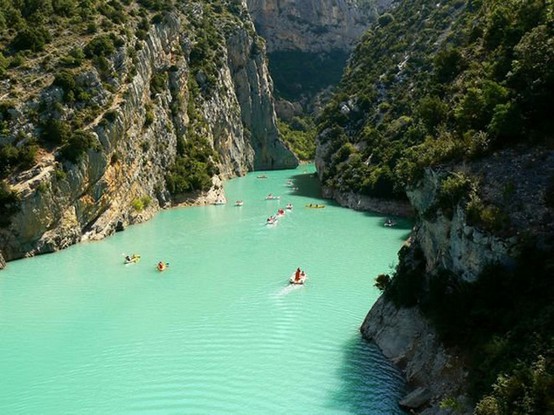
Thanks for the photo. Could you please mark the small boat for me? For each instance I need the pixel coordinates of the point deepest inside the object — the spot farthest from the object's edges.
(133, 259)
(289, 206)
(262, 176)
(315, 206)
(271, 220)
(162, 266)
(219, 202)
(280, 212)
(389, 223)
(301, 281)
(272, 197)
(290, 183)
(239, 203)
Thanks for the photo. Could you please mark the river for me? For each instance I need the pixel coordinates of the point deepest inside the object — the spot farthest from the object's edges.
(220, 331)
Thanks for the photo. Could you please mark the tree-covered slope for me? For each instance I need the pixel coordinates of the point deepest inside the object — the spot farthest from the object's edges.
(436, 81)
(448, 103)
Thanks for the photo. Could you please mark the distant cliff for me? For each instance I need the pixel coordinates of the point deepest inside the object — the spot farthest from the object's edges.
(131, 121)
(317, 26)
(308, 44)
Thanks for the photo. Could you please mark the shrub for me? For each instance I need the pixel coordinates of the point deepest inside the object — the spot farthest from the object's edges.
(55, 131)
(76, 146)
(382, 281)
(8, 204)
(102, 45)
(453, 189)
(33, 38)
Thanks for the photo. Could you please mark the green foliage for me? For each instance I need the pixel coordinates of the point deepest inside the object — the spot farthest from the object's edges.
(77, 145)
(300, 136)
(441, 82)
(158, 82)
(385, 19)
(486, 216)
(102, 45)
(382, 281)
(55, 131)
(12, 157)
(141, 203)
(527, 390)
(452, 190)
(193, 168)
(33, 38)
(8, 204)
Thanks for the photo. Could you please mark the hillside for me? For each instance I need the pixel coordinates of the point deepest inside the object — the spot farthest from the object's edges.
(111, 110)
(446, 105)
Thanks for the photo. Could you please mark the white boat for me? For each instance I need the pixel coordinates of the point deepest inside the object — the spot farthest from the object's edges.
(271, 197)
(271, 221)
(239, 203)
(219, 202)
(289, 206)
(294, 281)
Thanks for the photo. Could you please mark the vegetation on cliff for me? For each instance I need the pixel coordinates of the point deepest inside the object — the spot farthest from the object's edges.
(433, 82)
(66, 66)
(450, 83)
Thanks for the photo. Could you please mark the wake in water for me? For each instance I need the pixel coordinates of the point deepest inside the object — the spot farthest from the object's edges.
(286, 290)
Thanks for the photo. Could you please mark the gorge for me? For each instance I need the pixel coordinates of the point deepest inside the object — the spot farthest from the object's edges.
(442, 113)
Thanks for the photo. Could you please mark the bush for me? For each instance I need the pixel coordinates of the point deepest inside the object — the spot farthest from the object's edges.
(102, 45)
(141, 203)
(76, 146)
(31, 38)
(55, 131)
(9, 204)
(382, 281)
(453, 189)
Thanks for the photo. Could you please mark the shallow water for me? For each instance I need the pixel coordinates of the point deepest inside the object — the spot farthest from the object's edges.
(220, 331)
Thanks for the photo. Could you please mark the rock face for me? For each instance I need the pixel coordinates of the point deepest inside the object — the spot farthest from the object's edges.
(448, 242)
(407, 339)
(310, 25)
(121, 179)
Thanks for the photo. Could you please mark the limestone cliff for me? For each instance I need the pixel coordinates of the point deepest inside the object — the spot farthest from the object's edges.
(515, 183)
(311, 26)
(151, 96)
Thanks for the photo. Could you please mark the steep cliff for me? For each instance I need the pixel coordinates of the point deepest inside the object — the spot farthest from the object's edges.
(316, 26)
(189, 85)
(444, 105)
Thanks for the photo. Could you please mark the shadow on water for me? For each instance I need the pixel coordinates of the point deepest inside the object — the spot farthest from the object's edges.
(307, 185)
(402, 223)
(370, 384)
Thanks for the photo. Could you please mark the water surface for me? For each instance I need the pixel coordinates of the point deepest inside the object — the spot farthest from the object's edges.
(219, 332)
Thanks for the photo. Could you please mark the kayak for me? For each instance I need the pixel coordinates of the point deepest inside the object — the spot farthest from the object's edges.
(311, 206)
(132, 260)
(162, 266)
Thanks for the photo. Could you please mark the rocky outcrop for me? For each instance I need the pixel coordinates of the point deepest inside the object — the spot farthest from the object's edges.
(433, 372)
(517, 181)
(311, 26)
(366, 203)
(120, 180)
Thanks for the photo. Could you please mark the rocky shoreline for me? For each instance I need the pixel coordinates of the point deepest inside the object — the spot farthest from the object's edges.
(432, 372)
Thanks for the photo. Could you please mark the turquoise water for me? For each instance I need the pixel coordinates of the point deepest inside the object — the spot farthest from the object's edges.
(220, 331)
